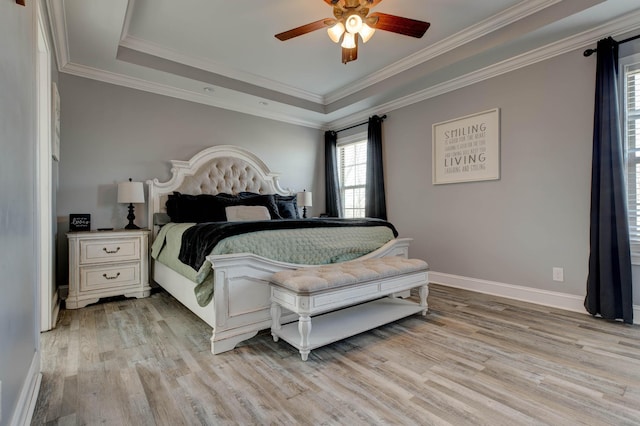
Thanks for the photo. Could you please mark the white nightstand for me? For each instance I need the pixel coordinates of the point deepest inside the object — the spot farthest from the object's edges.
(107, 263)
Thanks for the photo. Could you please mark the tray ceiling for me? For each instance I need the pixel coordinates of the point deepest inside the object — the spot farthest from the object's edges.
(224, 53)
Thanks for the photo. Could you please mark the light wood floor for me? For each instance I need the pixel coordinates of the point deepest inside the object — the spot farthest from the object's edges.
(473, 360)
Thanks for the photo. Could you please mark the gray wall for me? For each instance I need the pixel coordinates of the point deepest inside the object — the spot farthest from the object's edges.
(110, 133)
(513, 230)
(18, 305)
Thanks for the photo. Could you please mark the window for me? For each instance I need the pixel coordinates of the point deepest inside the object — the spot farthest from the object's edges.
(631, 104)
(352, 171)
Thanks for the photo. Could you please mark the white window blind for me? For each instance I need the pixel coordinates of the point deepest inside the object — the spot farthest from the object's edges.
(632, 138)
(352, 170)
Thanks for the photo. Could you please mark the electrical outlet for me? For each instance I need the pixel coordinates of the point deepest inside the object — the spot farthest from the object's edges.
(558, 274)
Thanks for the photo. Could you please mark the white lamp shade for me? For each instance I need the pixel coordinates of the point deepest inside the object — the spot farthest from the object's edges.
(130, 192)
(336, 32)
(304, 199)
(353, 24)
(366, 33)
(349, 41)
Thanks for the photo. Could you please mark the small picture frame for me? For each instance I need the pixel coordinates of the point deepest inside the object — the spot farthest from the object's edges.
(79, 222)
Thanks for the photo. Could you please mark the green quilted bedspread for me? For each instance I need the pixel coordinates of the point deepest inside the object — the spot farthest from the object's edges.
(309, 246)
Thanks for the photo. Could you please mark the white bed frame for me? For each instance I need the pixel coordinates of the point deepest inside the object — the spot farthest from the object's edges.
(241, 299)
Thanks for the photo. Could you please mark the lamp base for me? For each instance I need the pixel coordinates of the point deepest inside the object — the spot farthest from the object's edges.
(131, 218)
(304, 212)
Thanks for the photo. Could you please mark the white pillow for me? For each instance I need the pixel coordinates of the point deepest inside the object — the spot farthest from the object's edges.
(245, 213)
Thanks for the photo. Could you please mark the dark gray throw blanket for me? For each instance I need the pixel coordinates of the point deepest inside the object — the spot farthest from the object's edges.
(200, 239)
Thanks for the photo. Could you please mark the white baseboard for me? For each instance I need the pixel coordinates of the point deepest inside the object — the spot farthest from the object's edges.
(568, 302)
(29, 394)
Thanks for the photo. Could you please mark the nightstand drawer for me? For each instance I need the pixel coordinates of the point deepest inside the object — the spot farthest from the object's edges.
(105, 250)
(100, 277)
(107, 263)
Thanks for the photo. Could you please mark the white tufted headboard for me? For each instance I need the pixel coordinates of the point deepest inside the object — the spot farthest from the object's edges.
(218, 169)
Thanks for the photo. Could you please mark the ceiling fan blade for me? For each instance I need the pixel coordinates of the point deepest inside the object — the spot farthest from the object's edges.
(349, 55)
(335, 2)
(313, 26)
(400, 25)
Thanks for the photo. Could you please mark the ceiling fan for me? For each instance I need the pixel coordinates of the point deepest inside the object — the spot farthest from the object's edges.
(352, 18)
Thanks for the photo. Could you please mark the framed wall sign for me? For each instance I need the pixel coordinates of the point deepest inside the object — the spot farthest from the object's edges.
(79, 222)
(467, 149)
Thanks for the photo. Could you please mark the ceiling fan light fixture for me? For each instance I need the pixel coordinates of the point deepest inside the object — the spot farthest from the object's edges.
(366, 32)
(349, 41)
(353, 24)
(336, 32)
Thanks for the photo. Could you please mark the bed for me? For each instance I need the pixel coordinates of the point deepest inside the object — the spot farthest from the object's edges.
(240, 302)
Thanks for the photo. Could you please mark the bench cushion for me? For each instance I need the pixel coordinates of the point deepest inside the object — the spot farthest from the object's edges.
(319, 278)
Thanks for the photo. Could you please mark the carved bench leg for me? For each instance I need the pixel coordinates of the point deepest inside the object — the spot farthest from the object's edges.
(276, 312)
(424, 292)
(304, 328)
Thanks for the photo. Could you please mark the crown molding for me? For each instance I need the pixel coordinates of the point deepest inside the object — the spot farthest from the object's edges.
(126, 23)
(138, 44)
(482, 28)
(504, 18)
(153, 49)
(58, 25)
(616, 27)
(161, 89)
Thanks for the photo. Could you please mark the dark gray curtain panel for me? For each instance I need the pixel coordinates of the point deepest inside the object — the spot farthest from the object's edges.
(609, 286)
(333, 200)
(375, 204)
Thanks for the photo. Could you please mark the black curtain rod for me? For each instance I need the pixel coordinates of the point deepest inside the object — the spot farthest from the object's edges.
(590, 52)
(359, 124)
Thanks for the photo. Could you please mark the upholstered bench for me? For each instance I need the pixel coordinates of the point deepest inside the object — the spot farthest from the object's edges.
(329, 288)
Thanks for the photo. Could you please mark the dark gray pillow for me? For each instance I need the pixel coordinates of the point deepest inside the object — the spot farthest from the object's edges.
(211, 208)
(287, 206)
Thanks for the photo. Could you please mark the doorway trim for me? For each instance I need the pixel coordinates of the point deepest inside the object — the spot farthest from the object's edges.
(48, 298)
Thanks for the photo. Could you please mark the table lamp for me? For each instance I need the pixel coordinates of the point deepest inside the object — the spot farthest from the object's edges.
(304, 199)
(131, 192)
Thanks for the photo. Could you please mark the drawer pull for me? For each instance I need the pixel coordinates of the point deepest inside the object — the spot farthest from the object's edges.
(112, 277)
(111, 251)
